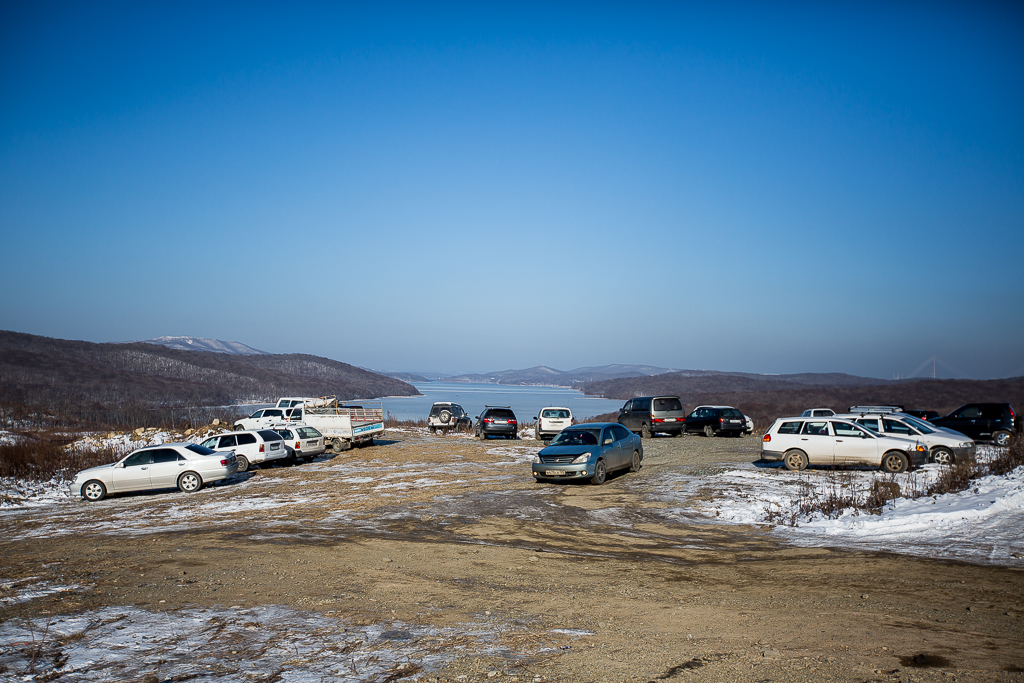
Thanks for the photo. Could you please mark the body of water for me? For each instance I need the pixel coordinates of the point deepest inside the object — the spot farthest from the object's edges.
(526, 402)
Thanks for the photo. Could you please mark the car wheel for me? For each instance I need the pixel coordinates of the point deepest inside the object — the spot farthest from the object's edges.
(243, 463)
(895, 462)
(339, 445)
(515, 436)
(679, 433)
(94, 491)
(445, 416)
(432, 430)
(635, 466)
(600, 473)
(645, 432)
(1001, 438)
(795, 460)
(309, 459)
(190, 482)
(708, 431)
(943, 456)
(481, 436)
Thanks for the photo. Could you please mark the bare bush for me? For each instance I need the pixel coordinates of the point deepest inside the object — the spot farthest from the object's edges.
(43, 459)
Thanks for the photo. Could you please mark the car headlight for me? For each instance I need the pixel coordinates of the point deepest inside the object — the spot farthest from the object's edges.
(582, 457)
(921, 448)
(536, 459)
(966, 444)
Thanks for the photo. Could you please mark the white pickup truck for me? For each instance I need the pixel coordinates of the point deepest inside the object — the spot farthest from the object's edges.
(342, 425)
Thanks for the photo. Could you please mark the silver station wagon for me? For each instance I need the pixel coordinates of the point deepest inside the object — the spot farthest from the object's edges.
(802, 441)
(185, 466)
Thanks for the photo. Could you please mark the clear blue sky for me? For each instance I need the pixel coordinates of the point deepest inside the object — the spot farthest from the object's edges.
(783, 188)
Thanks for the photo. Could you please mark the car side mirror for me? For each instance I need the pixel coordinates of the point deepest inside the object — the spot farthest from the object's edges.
(607, 441)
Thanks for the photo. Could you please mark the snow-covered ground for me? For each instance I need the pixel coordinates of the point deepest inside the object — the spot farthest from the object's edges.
(982, 524)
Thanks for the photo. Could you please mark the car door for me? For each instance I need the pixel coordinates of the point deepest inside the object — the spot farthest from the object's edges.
(611, 449)
(964, 421)
(167, 463)
(624, 415)
(132, 473)
(622, 440)
(854, 445)
(817, 442)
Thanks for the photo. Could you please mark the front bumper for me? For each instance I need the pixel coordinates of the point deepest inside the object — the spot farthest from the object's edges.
(562, 471)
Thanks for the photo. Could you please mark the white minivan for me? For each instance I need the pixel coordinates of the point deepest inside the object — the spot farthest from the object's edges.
(552, 420)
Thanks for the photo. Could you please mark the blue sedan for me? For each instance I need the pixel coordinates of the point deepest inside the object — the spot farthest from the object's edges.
(589, 451)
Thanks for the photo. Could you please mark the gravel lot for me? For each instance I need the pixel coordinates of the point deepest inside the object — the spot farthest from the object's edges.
(437, 558)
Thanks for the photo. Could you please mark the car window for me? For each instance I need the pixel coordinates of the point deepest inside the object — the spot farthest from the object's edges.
(285, 434)
(919, 425)
(896, 427)
(627, 406)
(871, 424)
(732, 412)
(201, 450)
(165, 455)
(267, 435)
(667, 404)
(258, 413)
(577, 437)
(969, 413)
(844, 429)
(308, 433)
(229, 441)
(273, 413)
(641, 405)
(210, 443)
(816, 428)
(620, 432)
(245, 439)
(502, 414)
(136, 459)
(790, 427)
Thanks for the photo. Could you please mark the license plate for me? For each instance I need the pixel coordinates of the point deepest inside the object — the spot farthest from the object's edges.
(274, 446)
(555, 473)
(311, 444)
(670, 419)
(501, 422)
(735, 422)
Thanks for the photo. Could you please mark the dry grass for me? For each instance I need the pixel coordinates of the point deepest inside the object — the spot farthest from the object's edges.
(43, 459)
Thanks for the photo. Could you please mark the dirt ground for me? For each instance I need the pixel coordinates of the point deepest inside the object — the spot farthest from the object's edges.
(509, 580)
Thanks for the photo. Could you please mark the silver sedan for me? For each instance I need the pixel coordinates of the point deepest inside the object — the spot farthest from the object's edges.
(185, 466)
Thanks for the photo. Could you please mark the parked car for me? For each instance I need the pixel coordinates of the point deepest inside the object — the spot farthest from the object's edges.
(715, 421)
(302, 442)
(497, 421)
(944, 447)
(261, 447)
(983, 421)
(818, 412)
(926, 415)
(876, 409)
(589, 451)
(185, 466)
(648, 415)
(552, 420)
(802, 441)
(264, 417)
(448, 416)
(748, 425)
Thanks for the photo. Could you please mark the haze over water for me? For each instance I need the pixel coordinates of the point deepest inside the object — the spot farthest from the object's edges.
(525, 401)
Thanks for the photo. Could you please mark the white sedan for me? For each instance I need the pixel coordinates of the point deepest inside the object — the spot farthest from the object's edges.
(186, 466)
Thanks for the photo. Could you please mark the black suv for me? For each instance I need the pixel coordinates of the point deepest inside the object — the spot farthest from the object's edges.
(715, 421)
(497, 421)
(995, 421)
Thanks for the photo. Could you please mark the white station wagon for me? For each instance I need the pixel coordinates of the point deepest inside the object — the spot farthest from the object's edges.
(802, 441)
(552, 420)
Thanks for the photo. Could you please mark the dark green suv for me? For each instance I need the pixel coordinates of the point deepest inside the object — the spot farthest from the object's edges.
(982, 421)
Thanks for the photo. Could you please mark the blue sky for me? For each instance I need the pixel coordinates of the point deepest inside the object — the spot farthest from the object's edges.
(791, 188)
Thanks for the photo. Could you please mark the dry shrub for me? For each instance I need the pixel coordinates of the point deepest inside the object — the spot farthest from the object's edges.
(43, 460)
(1008, 459)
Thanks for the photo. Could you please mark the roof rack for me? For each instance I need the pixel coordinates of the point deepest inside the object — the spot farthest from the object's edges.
(509, 407)
(876, 409)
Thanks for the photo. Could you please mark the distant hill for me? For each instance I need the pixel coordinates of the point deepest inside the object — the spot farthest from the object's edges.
(99, 382)
(404, 376)
(765, 397)
(203, 344)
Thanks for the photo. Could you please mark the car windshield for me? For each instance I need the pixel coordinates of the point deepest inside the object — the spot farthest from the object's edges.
(577, 437)
(201, 450)
(920, 425)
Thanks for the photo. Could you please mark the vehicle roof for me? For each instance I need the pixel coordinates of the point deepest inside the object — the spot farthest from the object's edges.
(710, 406)
(172, 443)
(556, 408)
(584, 425)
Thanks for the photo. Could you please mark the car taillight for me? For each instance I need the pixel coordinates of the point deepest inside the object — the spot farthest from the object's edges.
(766, 437)
(657, 419)
(511, 422)
(226, 462)
(298, 445)
(721, 420)
(488, 419)
(262, 449)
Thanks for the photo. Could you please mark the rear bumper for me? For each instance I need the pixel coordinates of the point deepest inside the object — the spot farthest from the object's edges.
(771, 456)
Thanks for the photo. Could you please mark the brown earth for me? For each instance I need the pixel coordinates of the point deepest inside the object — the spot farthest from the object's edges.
(446, 531)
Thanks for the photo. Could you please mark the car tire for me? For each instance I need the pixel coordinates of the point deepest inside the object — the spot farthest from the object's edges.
(481, 436)
(795, 460)
(645, 432)
(339, 445)
(432, 430)
(190, 482)
(1001, 438)
(444, 416)
(708, 431)
(243, 463)
(94, 491)
(600, 473)
(309, 459)
(895, 462)
(943, 456)
(635, 464)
